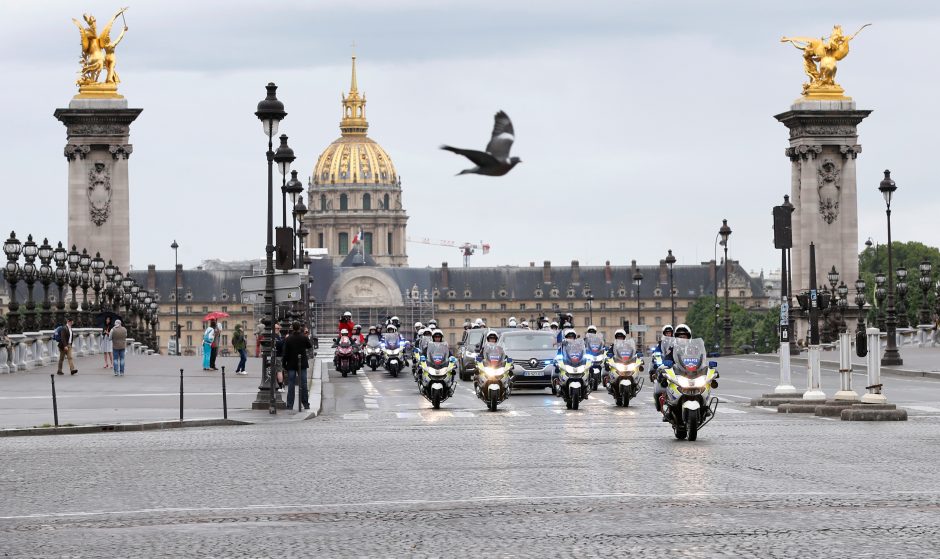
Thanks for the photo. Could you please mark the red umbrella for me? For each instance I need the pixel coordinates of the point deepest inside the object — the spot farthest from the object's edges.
(215, 315)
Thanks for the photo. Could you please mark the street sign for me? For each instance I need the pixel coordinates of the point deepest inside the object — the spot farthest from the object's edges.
(812, 298)
(784, 314)
(280, 296)
(286, 288)
(641, 328)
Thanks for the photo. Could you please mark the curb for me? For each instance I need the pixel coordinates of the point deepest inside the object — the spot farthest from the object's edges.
(319, 373)
(857, 367)
(119, 427)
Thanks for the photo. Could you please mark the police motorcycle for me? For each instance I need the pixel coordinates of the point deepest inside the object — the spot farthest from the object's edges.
(374, 352)
(392, 352)
(344, 359)
(595, 347)
(418, 350)
(624, 365)
(573, 363)
(687, 403)
(493, 383)
(437, 373)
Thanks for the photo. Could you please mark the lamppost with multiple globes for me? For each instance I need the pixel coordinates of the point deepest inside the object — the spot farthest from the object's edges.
(74, 276)
(725, 233)
(270, 112)
(176, 295)
(891, 356)
(881, 293)
(61, 275)
(671, 261)
(589, 299)
(11, 272)
(45, 278)
(637, 282)
(97, 281)
(925, 281)
(84, 264)
(860, 303)
(30, 274)
(901, 287)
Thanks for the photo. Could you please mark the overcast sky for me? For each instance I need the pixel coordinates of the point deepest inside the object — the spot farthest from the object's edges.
(641, 124)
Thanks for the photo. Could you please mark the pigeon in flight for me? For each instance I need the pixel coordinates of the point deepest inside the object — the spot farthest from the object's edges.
(495, 161)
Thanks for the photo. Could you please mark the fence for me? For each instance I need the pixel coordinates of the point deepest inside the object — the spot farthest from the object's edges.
(22, 352)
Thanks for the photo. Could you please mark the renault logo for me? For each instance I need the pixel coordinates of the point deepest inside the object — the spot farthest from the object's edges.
(533, 363)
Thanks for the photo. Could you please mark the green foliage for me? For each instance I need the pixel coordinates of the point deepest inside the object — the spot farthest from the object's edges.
(750, 329)
(909, 255)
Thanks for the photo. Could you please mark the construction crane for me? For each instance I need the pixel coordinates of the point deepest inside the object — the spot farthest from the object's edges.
(467, 249)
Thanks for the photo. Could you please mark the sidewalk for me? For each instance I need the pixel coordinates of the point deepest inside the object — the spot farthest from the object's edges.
(148, 393)
(918, 361)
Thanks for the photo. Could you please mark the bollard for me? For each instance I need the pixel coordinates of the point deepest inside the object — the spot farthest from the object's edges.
(298, 379)
(874, 395)
(786, 384)
(181, 396)
(845, 392)
(813, 372)
(55, 403)
(224, 397)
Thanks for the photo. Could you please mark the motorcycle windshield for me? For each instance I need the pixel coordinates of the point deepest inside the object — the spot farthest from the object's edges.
(624, 350)
(594, 343)
(437, 354)
(391, 341)
(690, 357)
(345, 342)
(574, 352)
(373, 342)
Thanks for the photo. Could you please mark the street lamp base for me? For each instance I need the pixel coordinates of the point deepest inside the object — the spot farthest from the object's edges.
(263, 400)
(892, 358)
(846, 396)
(787, 389)
(814, 395)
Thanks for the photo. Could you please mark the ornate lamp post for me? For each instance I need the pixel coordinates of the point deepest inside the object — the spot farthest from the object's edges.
(925, 283)
(880, 294)
(84, 263)
(12, 249)
(74, 276)
(300, 210)
(45, 278)
(860, 303)
(145, 314)
(284, 156)
(126, 285)
(638, 281)
(295, 188)
(97, 281)
(117, 289)
(270, 112)
(901, 273)
(30, 274)
(936, 296)
(670, 261)
(135, 308)
(60, 255)
(843, 304)
(891, 356)
(589, 299)
(153, 325)
(176, 294)
(830, 327)
(109, 272)
(725, 232)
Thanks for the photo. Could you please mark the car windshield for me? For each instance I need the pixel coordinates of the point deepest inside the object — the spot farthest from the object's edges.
(530, 341)
(474, 336)
(690, 356)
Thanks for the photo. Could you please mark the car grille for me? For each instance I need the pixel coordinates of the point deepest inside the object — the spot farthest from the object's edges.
(527, 364)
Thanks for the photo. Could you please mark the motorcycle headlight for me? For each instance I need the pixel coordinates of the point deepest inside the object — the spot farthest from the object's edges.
(698, 382)
(493, 371)
(683, 382)
(470, 355)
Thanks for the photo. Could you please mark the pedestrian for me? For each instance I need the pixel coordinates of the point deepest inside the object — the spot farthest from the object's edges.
(214, 350)
(296, 363)
(106, 342)
(207, 338)
(118, 347)
(259, 332)
(278, 352)
(239, 343)
(65, 347)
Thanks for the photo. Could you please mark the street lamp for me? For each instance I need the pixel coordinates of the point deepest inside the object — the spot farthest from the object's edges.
(270, 112)
(725, 232)
(860, 303)
(153, 325)
(176, 294)
(97, 268)
(670, 261)
(638, 281)
(901, 273)
(11, 272)
(843, 303)
(30, 274)
(891, 356)
(84, 264)
(60, 256)
(45, 277)
(283, 156)
(589, 297)
(925, 283)
(880, 295)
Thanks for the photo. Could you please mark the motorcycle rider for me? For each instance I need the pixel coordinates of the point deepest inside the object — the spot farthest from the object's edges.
(346, 322)
(478, 323)
(467, 325)
(524, 325)
(619, 336)
(566, 336)
(421, 344)
(343, 335)
(373, 335)
(682, 331)
(512, 322)
(437, 336)
(489, 347)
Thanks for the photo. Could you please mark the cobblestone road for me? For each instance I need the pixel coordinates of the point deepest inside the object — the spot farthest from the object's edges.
(380, 474)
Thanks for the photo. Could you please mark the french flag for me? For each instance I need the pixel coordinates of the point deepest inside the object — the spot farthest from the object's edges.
(358, 238)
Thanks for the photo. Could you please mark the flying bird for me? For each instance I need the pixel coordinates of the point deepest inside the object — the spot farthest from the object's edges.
(495, 161)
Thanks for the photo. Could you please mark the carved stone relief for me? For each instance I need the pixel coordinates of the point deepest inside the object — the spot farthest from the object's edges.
(122, 151)
(99, 193)
(803, 152)
(829, 185)
(76, 150)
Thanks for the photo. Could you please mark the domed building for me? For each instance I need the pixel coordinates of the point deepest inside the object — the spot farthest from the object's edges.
(355, 189)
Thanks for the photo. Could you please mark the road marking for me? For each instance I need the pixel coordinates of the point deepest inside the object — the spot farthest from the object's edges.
(725, 395)
(922, 408)
(142, 395)
(463, 414)
(704, 496)
(355, 416)
(731, 410)
(518, 413)
(407, 415)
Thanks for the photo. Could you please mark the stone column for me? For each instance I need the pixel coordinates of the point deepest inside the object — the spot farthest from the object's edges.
(823, 148)
(97, 151)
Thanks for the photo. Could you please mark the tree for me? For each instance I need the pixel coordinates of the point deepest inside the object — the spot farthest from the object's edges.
(755, 329)
(874, 259)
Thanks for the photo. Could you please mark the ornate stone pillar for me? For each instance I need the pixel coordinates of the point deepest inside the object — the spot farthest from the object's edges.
(97, 151)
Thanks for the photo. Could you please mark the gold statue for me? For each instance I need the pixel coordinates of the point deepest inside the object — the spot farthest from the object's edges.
(98, 55)
(826, 52)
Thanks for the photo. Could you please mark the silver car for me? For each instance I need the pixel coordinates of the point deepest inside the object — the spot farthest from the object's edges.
(533, 356)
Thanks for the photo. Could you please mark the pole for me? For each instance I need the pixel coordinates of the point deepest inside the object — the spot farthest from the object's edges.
(269, 272)
(55, 403)
(728, 349)
(794, 350)
(181, 396)
(638, 333)
(874, 395)
(786, 383)
(300, 379)
(224, 396)
(176, 297)
(891, 356)
(845, 392)
(813, 390)
(672, 299)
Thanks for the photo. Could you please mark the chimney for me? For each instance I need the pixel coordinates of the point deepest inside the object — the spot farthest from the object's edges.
(445, 276)
(663, 273)
(547, 271)
(608, 273)
(151, 277)
(575, 272)
(532, 264)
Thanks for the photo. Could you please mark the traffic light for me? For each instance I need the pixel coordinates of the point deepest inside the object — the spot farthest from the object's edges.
(783, 229)
(626, 326)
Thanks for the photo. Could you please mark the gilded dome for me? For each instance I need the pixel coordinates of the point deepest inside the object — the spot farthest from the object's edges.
(354, 158)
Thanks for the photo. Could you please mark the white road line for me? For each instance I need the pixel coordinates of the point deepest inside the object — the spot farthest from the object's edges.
(358, 416)
(730, 410)
(104, 395)
(463, 414)
(922, 408)
(408, 415)
(726, 395)
(518, 413)
(484, 499)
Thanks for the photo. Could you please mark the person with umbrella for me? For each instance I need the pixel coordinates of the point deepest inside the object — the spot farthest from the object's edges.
(214, 340)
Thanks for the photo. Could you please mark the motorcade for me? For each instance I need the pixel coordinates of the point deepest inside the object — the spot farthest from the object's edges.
(532, 353)
(623, 367)
(687, 403)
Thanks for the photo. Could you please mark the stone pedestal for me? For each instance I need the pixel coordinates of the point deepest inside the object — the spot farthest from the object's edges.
(97, 149)
(873, 412)
(823, 148)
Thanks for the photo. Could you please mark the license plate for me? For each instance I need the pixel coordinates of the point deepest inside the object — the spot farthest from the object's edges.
(534, 374)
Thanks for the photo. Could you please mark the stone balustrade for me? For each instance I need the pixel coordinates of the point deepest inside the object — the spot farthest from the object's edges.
(29, 350)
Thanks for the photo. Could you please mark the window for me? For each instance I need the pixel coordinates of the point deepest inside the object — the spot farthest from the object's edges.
(521, 306)
(320, 240)
(189, 341)
(740, 294)
(587, 306)
(659, 320)
(450, 307)
(244, 309)
(502, 322)
(538, 306)
(344, 243)
(225, 325)
(659, 305)
(189, 324)
(466, 307)
(502, 306)
(587, 321)
(367, 241)
(224, 309)
(483, 307)
(570, 306)
(452, 323)
(343, 202)
(603, 306)
(323, 202)
(603, 321)
(623, 306)
(389, 237)
(366, 203)
(173, 325)
(205, 309)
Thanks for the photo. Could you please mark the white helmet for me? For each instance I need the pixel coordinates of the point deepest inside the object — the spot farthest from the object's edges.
(425, 331)
(479, 323)
(667, 327)
(437, 332)
(418, 326)
(591, 329)
(391, 328)
(684, 329)
(512, 322)
(491, 333)
(347, 314)
(570, 332)
(344, 332)
(394, 320)
(525, 324)
(620, 332)
(553, 325)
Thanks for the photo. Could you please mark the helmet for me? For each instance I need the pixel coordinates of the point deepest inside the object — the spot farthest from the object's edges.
(437, 332)
(667, 327)
(566, 326)
(391, 328)
(621, 333)
(373, 329)
(357, 328)
(525, 324)
(591, 329)
(425, 331)
(570, 333)
(512, 322)
(418, 326)
(684, 329)
(344, 332)
(394, 320)
(493, 334)
(553, 325)
(432, 324)
(347, 314)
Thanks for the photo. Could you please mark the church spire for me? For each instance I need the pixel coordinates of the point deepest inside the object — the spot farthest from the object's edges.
(354, 109)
